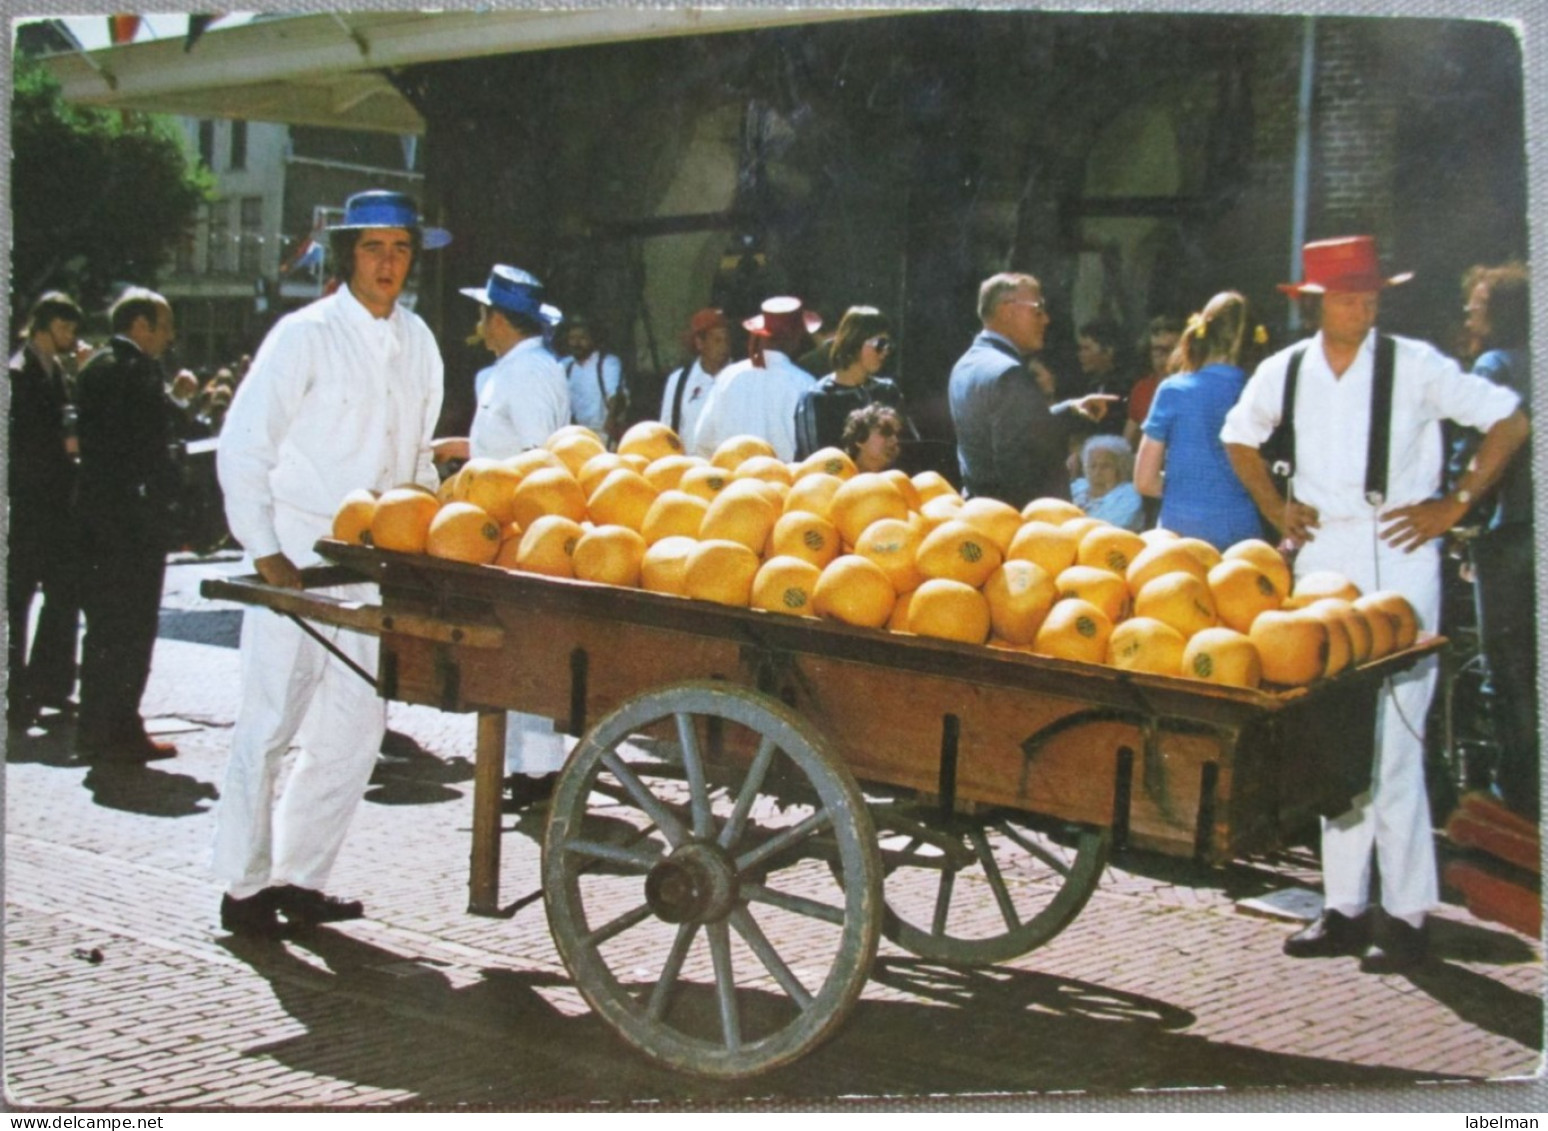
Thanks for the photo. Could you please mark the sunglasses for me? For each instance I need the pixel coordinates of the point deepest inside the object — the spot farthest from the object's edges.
(887, 431)
(880, 344)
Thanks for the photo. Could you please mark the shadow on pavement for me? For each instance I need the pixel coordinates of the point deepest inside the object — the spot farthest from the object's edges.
(1479, 1000)
(219, 627)
(500, 1038)
(146, 789)
(408, 774)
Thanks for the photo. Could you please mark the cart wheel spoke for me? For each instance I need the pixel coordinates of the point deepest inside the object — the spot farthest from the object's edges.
(619, 925)
(725, 986)
(661, 992)
(669, 825)
(749, 793)
(631, 858)
(996, 880)
(762, 893)
(642, 858)
(810, 827)
(748, 928)
(693, 766)
(943, 902)
(1054, 862)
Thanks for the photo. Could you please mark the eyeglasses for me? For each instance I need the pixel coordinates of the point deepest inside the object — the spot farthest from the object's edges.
(1036, 304)
(880, 344)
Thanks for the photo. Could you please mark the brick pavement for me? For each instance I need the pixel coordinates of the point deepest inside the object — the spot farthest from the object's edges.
(1159, 984)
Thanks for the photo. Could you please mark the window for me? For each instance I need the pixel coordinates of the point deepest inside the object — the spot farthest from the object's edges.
(250, 249)
(218, 246)
(207, 143)
(238, 145)
(183, 261)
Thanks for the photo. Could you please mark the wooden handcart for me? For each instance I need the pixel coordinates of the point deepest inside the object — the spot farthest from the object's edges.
(757, 798)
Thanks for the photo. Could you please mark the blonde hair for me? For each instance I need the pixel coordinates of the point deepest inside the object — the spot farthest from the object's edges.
(1219, 330)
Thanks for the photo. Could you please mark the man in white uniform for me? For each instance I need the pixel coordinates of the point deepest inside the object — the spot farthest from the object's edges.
(598, 399)
(1388, 543)
(343, 394)
(523, 399)
(709, 336)
(758, 397)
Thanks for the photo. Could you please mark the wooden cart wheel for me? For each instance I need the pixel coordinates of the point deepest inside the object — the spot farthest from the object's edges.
(982, 887)
(716, 897)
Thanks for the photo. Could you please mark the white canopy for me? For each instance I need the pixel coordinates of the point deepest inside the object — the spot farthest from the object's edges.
(329, 70)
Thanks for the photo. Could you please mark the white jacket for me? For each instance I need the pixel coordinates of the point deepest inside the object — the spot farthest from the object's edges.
(336, 399)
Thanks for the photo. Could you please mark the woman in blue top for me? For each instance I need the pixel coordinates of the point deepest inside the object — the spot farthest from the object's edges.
(1181, 446)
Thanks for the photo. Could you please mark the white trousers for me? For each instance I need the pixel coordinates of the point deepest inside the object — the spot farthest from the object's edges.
(293, 689)
(532, 746)
(1393, 816)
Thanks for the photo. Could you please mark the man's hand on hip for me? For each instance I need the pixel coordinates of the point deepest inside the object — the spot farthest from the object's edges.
(1299, 522)
(1412, 526)
(279, 571)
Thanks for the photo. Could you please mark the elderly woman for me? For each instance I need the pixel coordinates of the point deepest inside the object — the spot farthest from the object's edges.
(873, 437)
(860, 351)
(1106, 491)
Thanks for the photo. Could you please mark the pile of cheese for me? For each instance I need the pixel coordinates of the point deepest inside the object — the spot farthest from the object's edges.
(886, 551)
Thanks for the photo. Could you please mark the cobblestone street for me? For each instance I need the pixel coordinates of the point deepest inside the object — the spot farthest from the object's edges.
(121, 990)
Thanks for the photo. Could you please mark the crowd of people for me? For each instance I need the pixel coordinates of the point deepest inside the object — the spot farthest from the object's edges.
(346, 393)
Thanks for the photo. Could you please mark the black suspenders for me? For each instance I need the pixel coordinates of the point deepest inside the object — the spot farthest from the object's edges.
(1378, 443)
(677, 397)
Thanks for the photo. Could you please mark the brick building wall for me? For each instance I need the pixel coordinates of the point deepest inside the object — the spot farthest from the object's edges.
(1354, 152)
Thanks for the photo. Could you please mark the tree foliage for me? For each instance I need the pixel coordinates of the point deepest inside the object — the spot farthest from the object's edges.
(98, 198)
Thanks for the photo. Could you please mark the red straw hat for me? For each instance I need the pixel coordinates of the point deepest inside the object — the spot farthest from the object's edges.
(1343, 265)
(783, 316)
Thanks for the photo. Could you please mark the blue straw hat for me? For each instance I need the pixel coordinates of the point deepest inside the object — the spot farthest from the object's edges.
(516, 292)
(382, 208)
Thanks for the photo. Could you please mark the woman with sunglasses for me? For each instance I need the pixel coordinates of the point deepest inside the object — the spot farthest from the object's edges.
(860, 350)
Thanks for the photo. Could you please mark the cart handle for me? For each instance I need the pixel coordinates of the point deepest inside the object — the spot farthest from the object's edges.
(361, 616)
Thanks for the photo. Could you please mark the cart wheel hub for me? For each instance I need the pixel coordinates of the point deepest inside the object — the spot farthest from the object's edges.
(696, 884)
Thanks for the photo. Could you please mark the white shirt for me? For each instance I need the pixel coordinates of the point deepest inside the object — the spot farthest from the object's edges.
(746, 400)
(335, 400)
(1332, 422)
(695, 393)
(523, 399)
(588, 406)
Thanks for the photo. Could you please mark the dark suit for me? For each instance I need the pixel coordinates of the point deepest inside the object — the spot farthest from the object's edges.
(128, 484)
(43, 544)
(1009, 445)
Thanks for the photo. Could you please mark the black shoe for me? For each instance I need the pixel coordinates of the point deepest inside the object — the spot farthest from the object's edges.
(256, 916)
(523, 791)
(1397, 949)
(1331, 935)
(130, 751)
(305, 907)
